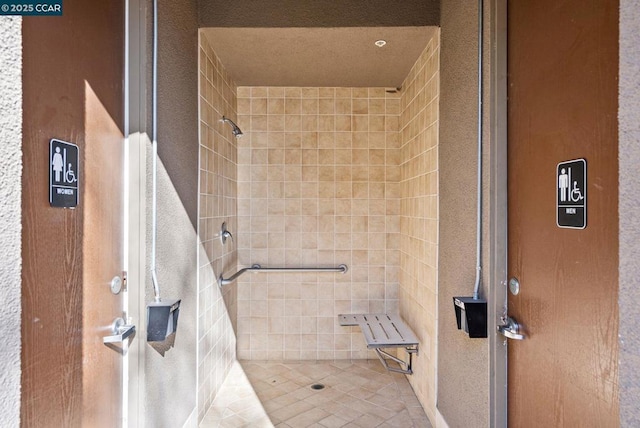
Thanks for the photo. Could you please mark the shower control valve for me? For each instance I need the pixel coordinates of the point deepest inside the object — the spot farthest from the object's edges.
(225, 234)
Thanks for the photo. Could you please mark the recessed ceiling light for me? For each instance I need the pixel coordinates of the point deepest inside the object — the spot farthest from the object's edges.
(380, 43)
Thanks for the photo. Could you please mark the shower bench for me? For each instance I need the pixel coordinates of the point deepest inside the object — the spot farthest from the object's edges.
(385, 331)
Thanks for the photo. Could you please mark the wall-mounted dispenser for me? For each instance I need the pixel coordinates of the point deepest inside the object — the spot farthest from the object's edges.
(471, 315)
(162, 319)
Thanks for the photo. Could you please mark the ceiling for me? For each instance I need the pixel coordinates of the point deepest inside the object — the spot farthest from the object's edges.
(318, 42)
(317, 13)
(319, 57)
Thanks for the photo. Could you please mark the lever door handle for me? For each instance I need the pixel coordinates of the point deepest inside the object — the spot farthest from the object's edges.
(121, 331)
(510, 329)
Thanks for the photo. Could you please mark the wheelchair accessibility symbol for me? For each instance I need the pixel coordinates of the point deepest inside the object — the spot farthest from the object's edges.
(568, 192)
(64, 161)
(70, 176)
(571, 192)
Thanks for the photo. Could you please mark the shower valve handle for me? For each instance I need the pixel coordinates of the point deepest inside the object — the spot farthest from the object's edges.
(225, 234)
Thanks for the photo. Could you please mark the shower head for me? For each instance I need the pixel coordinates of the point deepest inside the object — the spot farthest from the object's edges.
(234, 128)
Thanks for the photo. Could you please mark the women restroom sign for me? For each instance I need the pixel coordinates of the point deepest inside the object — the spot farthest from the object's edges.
(64, 163)
(571, 194)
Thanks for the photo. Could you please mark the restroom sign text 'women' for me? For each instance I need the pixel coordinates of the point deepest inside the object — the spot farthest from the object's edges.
(64, 180)
(571, 194)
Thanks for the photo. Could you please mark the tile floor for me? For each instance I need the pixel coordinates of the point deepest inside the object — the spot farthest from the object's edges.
(357, 394)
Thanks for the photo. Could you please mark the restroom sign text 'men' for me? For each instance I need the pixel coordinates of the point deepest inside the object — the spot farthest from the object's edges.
(64, 179)
(571, 194)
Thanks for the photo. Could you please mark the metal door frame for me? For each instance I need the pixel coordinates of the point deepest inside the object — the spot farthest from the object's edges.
(136, 142)
(498, 213)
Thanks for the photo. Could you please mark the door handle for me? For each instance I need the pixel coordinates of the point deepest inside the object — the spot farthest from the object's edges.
(121, 331)
(510, 329)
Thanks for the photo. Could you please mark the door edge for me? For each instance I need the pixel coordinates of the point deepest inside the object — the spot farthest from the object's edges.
(498, 213)
(136, 142)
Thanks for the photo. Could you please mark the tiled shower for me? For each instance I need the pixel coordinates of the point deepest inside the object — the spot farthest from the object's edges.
(318, 186)
(322, 177)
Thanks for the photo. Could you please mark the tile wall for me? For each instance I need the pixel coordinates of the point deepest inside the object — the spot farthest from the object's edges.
(318, 185)
(217, 308)
(418, 290)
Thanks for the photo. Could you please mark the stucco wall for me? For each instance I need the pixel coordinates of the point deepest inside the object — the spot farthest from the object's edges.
(10, 217)
(463, 363)
(629, 205)
(170, 369)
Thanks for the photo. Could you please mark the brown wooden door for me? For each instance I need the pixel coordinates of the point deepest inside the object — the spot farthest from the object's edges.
(562, 105)
(73, 68)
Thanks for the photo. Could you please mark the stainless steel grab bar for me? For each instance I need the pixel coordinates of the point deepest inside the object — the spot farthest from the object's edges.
(257, 268)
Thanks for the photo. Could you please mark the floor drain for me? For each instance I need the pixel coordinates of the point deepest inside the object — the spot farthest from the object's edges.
(317, 386)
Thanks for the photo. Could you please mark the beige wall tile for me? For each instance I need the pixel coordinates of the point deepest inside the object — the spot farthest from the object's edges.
(418, 226)
(318, 194)
(219, 188)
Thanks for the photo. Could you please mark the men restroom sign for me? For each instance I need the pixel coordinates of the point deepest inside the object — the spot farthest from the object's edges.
(64, 163)
(571, 194)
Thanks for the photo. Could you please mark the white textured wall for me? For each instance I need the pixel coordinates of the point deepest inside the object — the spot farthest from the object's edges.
(463, 363)
(171, 372)
(10, 217)
(629, 206)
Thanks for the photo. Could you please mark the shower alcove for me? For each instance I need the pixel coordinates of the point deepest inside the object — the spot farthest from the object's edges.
(336, 165)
